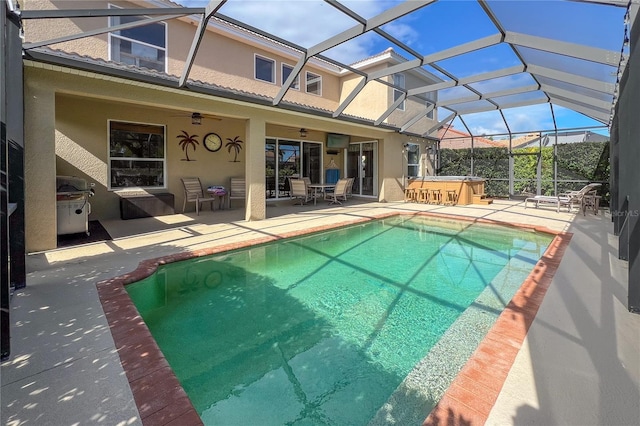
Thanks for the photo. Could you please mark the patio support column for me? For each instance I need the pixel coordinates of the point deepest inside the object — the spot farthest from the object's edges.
(255, 169)
(40, 163)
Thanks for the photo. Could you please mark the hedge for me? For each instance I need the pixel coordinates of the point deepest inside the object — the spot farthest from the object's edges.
(578, 164)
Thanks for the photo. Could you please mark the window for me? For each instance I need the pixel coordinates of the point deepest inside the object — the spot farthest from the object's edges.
(265, 69)
(286, 72)
(314, 83)
(136, 155)
(398, 80)
(413, 160)
(143, 46)
(430, 113)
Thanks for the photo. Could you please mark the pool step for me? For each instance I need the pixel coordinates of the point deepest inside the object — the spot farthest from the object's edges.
(481, 199)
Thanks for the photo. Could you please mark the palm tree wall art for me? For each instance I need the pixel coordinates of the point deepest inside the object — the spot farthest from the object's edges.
(235, 144)
(187, 141)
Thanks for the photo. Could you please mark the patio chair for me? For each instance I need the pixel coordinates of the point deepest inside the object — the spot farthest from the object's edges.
(193, 193)
(339, 193)
(350, 187)
(307, 181)
(568, 199)
(299, 190)
(237, 190)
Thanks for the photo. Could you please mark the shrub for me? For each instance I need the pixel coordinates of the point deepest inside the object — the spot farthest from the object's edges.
(577, 163)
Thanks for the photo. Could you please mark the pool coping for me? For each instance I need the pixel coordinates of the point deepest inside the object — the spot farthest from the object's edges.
(161, 400)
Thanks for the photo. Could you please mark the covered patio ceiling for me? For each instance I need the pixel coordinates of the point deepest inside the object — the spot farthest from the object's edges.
(499, 66)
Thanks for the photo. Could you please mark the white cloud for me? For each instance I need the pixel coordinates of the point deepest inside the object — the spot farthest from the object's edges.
(493, 129)
(309, 22)
(530, 118)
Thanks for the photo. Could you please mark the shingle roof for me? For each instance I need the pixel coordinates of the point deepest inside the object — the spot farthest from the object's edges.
(455, 139)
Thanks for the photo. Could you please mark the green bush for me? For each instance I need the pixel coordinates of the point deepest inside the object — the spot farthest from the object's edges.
(577, 163)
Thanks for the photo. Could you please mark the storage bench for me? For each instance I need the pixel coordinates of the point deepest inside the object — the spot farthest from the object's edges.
(134, 206)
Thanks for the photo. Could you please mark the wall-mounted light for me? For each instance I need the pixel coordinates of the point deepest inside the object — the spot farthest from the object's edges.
(196, 118)
(303, 133)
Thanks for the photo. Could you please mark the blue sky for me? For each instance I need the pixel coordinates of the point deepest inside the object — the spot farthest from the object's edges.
(448, 23)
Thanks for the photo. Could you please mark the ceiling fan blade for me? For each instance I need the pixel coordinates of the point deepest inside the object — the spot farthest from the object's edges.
(202, 116)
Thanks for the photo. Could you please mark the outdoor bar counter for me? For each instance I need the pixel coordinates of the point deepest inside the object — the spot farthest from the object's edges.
(461, 190)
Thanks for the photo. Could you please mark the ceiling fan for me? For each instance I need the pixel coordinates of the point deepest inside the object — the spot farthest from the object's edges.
(197, 117)
(302, 132)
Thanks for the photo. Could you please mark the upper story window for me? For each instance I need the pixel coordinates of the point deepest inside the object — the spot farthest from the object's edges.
(286, 72)
(398, 80)
(430, 113)
(136, 155)
(314, 83)
(144, 46)
(413, 160)
(265, 69)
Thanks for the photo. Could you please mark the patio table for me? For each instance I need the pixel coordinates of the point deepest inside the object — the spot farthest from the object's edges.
(320, 186)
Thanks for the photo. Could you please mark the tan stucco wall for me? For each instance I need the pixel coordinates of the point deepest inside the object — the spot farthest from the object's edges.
(36, 30)
(76, 142)
(40, 165)
(374, 99)
(221, 59)
(371, 102)
(82, 150)
(413, 107)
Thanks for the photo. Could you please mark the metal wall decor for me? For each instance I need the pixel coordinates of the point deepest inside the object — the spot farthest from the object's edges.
(186, 141)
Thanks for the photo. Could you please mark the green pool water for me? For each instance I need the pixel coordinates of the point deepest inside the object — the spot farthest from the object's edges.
(323, 329)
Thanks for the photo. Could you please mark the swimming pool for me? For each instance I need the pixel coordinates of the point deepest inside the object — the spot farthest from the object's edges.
(328, 328)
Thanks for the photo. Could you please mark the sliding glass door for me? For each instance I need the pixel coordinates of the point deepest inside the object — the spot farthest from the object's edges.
(285, 159)
(362, 164)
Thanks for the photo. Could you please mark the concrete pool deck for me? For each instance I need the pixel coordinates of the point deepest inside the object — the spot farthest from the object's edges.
(578, 364)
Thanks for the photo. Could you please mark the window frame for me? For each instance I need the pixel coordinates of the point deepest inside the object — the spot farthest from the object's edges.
(430, 113)
(410, 151)
(295, 85)
(318, 79)
(255, 68)
(162, 160)
(400, 82)
(111, 36)
(302, 161)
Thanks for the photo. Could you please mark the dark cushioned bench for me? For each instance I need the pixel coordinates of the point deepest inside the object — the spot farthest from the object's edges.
(134, 206)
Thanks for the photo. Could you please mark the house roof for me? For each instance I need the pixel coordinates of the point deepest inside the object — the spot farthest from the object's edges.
(455, 139)
(563, 138)
(568, 65)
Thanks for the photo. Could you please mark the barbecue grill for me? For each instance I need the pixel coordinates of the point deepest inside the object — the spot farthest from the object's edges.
(73, 208)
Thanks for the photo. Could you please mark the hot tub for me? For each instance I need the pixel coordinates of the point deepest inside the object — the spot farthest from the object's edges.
(461, 190)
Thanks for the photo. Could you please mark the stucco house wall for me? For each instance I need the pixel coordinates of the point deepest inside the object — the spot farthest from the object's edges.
(226, 54)
(67, 113)
(413, 105)
(66, 134)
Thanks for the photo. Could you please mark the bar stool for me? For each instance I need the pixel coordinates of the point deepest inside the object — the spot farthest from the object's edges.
(423, 195)
(411, 195)
(452, 197)
(435, 196)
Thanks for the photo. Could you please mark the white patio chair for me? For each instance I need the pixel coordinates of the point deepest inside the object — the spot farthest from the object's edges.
(339, 194)
(568, 199)
(299, 190)
(193, 193)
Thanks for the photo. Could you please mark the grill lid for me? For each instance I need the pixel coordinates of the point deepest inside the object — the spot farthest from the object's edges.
(71, 184)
